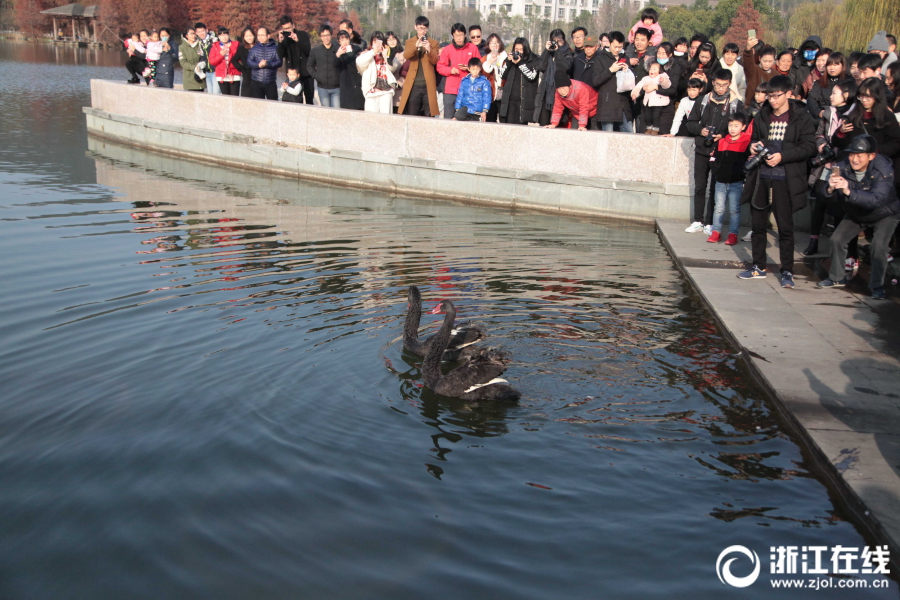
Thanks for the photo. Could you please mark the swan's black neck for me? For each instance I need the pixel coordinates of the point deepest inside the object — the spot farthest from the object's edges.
(413, 316)
(431, 367)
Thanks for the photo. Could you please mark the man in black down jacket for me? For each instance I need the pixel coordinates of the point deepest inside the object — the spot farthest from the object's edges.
(613, 108)
(779, 184)
(325, 68)
(866, 186)
(293, 48)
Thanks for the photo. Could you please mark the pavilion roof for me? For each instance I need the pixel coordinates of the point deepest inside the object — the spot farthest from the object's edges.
(72, 10)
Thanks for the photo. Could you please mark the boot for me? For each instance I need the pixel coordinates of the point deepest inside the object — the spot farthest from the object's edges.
(812, 248)
(648, 131)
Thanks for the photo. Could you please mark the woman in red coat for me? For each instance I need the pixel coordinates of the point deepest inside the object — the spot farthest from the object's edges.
(221, 56)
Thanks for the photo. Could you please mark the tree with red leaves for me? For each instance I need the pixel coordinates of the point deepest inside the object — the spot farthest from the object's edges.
(747, 18)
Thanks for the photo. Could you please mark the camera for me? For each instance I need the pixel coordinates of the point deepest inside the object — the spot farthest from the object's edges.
(826, 155)
(516, 55)
(755, 161)
(424, 38)
(553, 45)
(708, 140)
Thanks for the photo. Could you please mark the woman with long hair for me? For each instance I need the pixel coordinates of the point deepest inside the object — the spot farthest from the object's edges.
(871, 115)
(556, 57)
(704, 64)
(892, 81)
(239, 60)
(377, 70)
(493, 64)
(520, 83)
(833, 71)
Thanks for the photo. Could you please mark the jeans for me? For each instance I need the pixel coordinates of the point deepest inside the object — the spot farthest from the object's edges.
(212, 86)
(703, 207)
(268, 91)
(330, 98)
(881, 245)
(449, 105)
(624, 126)
(732, 193)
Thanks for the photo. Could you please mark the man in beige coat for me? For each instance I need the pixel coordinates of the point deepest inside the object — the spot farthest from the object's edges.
(421, 83)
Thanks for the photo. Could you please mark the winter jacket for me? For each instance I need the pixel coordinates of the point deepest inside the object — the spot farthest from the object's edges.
(351, 80)
(583, 68)
(656, 37)
(224, 63)
(295, 54)
(738, 78)
(754, 74)
(269, 53)
(681, 115)
(888, 137)
(829, 123)
(167, 59)
(642, 68)
(426, 62)
(368, 68)
(494, 71)
(189, 55)
(819, 96)
(526, 78)
(797, 148)
(872, 199)
(562, 58)
(323, 65)
(801, 68)
(293, 92)
(581, 102)
(475, 95)
(240, 63)
(652, 98)
(611, 105)
(706, 113)
(731, 156)
(451, 58)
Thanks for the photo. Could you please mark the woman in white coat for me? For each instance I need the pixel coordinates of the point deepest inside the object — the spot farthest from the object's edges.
(377, 70)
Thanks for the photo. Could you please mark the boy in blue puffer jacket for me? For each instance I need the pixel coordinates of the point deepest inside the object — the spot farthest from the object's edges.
(473, 100)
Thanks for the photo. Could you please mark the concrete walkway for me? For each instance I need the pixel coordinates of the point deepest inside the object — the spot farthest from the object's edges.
(830, 359)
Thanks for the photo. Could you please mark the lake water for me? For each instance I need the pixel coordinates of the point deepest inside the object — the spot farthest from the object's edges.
(204, 394)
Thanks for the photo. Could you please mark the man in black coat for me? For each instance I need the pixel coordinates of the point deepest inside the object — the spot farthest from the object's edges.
(787, 132)
(613, 108)
(583, 65)
(294, 47)
(865, 184)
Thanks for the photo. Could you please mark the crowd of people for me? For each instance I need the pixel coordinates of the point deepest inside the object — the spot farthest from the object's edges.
(772, 128)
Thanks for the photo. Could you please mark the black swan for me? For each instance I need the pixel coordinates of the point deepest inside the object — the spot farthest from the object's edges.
(477, 379)
(461, 340)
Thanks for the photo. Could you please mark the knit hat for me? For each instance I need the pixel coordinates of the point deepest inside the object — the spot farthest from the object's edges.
(562, 79)
(879, 42)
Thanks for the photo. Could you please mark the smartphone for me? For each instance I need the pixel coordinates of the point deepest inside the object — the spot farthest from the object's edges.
(622, 60)
(835, 171)
(751, 33)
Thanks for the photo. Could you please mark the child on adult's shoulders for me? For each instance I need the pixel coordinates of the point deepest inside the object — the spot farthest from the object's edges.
(649, 20)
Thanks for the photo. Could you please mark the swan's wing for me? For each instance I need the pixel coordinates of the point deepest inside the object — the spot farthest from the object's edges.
(461, 337)
(473, 373)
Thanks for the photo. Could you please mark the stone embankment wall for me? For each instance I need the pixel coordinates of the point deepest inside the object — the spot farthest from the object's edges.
(597, 173)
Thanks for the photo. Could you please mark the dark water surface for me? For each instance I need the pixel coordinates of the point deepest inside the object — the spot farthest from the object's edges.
(204, 394)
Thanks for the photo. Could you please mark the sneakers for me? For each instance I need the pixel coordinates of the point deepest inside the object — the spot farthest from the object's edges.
(812, 248)
(878, 294)
(732, 239)
(827, 283)
(145, 72)
(715, 237)
(707, 229)
(694, 227)
(753, 272)
(787, 280)
(747, 237)
(851, 264)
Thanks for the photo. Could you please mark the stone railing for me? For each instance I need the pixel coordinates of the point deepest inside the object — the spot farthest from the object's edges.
(622, 175)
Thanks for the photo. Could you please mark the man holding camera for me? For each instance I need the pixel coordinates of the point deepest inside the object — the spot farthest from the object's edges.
(708, 122)
(294, 47)
(783, 141)
(864, 181)
(420, 86)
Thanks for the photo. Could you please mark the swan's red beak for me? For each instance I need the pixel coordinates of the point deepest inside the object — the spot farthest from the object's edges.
(437, 310)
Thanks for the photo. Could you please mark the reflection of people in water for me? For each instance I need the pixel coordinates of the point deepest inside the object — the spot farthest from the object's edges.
(162, 247)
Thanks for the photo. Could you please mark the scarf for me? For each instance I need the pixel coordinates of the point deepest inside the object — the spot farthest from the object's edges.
(381, 81)
(720, 99)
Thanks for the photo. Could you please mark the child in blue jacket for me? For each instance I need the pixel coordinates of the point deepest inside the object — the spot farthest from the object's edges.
(473, 100)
